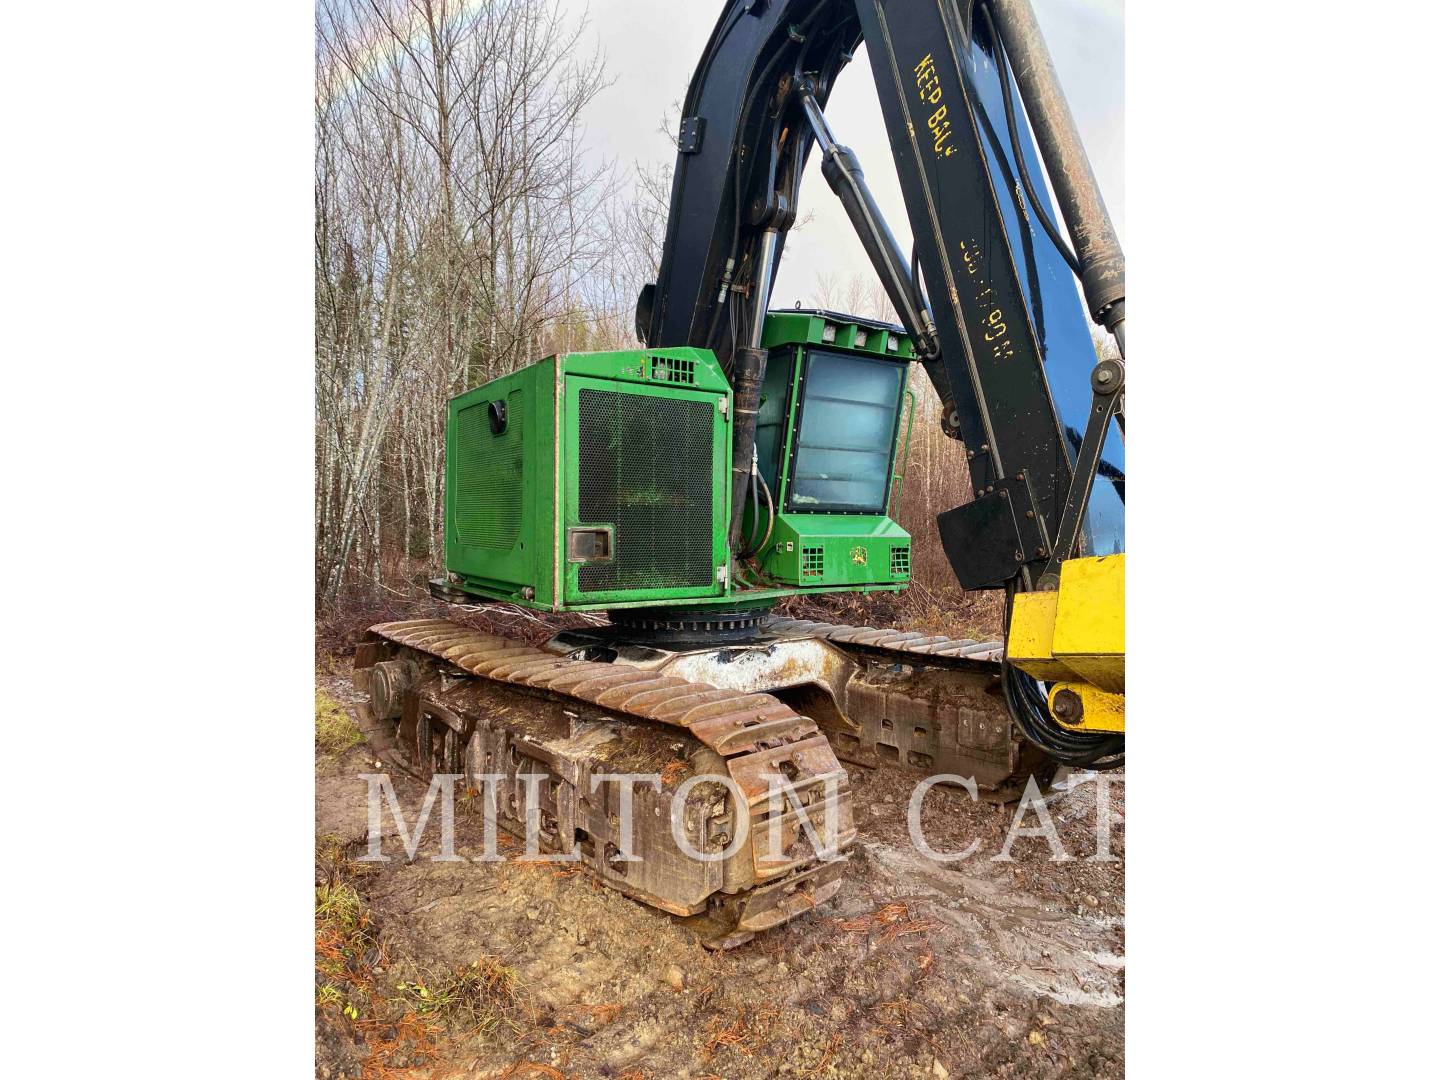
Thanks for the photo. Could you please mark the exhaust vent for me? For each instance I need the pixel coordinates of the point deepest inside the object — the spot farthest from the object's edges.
(900, 560)
(812, 562)
(669, 369)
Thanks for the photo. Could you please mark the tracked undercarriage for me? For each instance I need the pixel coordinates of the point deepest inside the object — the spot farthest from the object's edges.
(749, 818)
(926, 703)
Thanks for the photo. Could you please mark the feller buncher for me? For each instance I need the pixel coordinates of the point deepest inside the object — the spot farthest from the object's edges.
(745, 455)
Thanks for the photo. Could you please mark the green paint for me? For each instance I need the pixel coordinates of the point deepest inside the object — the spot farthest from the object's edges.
(837, 549)
(652, 462)
(805, 328)
(650, 432)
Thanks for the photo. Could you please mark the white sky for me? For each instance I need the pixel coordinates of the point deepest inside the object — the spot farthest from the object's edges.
(652, 46)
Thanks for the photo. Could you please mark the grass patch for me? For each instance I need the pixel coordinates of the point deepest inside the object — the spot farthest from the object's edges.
(339, 909)
(335, 731)
(345, 949)
(346, 943)
(399, 1025)
(348, 949)
(474, 999)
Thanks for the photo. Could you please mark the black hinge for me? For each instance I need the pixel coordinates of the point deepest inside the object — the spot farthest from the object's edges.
(692, 134)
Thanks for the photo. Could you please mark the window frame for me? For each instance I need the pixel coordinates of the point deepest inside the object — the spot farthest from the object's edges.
(799, 377)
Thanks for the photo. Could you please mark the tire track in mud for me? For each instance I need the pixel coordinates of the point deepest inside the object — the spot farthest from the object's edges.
(1067, 957)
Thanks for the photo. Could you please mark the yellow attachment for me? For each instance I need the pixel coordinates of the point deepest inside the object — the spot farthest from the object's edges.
(1081, 707)
(1090, 620)
(1076, 634)
(1030, 643)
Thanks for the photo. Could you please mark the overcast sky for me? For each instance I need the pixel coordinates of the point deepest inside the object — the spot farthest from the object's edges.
(652, 46)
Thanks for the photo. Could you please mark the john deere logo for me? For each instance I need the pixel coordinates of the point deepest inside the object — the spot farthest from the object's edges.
(858, 556)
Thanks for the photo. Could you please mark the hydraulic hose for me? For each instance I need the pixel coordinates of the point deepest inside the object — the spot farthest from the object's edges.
(1031, 713)
(1096, 248)
(769, 511)
(750, 548)
(1078, 749)
(757, 484)
(1035, 204)
(916, 296)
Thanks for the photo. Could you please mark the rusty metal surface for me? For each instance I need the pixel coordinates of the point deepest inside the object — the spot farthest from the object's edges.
(753, 736)
(886, 699)
(928, 703)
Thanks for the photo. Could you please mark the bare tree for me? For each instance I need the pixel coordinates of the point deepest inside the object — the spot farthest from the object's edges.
(855, 294)
(455, 213)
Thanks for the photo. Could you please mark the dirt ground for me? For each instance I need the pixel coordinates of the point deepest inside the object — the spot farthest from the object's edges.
(917, 969)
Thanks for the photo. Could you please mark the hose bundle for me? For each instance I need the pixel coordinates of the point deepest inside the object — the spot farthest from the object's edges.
(1031, 712)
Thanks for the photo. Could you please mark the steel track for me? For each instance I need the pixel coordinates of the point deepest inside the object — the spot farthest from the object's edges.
(756, 736)
(753, 737)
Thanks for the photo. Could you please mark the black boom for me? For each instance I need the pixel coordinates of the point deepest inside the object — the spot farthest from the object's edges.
(1002, 334)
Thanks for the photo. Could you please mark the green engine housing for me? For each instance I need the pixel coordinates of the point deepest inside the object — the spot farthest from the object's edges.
(601, 480)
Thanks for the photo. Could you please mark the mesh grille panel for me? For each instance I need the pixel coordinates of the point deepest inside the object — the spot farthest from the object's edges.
(900, 560)
(645, 468)
(812, 561)
(672, 369)
(489, 476)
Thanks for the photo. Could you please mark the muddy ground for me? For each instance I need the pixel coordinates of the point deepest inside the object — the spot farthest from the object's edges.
(917, 969)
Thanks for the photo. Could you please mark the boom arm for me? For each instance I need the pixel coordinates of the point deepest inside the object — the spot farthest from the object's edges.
(1003, 336)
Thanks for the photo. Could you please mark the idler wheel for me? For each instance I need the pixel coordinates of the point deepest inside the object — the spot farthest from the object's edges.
(389, 681)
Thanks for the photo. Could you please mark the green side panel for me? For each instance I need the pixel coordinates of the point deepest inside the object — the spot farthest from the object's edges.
(500, 488)
(837, 549)
(490, 475)
(680, 368)
(654, 448)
